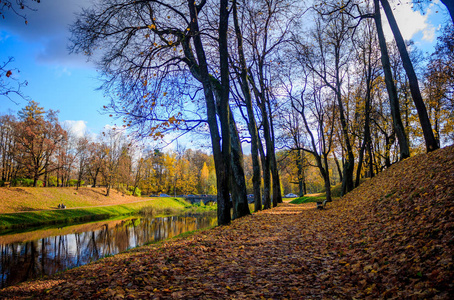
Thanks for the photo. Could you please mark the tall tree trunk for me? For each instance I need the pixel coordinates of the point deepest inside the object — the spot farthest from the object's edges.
(267, 137)
(221, 161)
(300, 173)
(252, 125)
(391, 87)
(277, 195)
(266, 178)
(325, 175)
(338, 167)
(94, 177)
(238, 182)
(108, 190)
(431, 143)
(347, 176)
(367, 137)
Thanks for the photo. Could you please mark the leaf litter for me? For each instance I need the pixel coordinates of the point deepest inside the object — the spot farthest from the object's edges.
(391, 238)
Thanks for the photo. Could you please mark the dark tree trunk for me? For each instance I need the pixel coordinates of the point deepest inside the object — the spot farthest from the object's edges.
(325, 175)
(268, 143)
(94, 177)
(431, 143)
(277, 195)
(367, 137)
(338, 167)
(221, 155)
(347, 176)
(370, 161)
(389, 140)
(108, 186)
(391, 87)
(252, 125)
(238, 182)
(266, 178)
(301, 175)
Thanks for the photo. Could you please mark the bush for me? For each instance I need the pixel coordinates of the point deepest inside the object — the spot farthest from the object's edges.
(138, 192)
(73, 182)
(25, 182)
(52, 181)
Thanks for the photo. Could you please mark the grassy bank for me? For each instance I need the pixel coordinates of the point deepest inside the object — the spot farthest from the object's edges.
(336, 192)
(24, 199)
(88, 211)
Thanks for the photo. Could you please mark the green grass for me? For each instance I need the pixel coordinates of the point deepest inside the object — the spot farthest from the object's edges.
(161, 206)
(336, 192)
(307, 199)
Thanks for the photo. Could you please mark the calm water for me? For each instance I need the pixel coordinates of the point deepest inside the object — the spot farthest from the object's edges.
(28, 255)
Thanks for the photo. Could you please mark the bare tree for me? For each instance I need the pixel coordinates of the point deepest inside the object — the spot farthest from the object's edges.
(329, 60)
(151, 43)
(318, 116)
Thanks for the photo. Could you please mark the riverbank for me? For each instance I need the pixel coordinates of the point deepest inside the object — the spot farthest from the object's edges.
(28, 207)
(22, 199)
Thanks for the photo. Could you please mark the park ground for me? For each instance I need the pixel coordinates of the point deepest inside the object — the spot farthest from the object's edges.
(391, 238)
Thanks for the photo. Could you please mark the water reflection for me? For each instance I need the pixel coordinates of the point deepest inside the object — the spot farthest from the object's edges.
(22, 259)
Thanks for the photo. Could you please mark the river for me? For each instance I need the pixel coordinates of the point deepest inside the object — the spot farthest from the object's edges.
(32, 254)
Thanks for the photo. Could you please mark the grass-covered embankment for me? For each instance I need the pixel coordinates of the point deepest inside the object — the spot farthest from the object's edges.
(336, 193)
(23, 199)
(41, 209)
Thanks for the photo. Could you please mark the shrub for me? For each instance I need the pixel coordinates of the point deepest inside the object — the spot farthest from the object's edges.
(52, 181)
(25, 182)
(73, 182)
(137, 193)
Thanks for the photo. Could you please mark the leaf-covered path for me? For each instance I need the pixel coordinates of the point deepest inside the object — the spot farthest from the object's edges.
(393, 237)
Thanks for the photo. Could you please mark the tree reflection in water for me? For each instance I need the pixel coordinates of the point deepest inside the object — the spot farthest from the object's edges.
(21, 261)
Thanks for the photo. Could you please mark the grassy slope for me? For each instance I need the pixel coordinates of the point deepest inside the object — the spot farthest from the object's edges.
(392, 237)
(23, 207)
(19, 199)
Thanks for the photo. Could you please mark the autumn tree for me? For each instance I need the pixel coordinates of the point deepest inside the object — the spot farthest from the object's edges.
(367, 56)
(439, 86)
(329, 59)
(114, 147)
(149, 44)
(204, 173)
(311, 103)
(8, 164)
(95, 161)
(38, 135)
(83, 156)
(242, 78)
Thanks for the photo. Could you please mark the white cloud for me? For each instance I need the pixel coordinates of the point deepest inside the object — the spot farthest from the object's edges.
(78, 128)
(410, 23)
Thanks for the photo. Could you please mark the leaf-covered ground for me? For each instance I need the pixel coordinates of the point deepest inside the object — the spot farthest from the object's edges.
(390, 238)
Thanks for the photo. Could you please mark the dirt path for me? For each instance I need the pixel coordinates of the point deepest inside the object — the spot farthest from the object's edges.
(219, 263)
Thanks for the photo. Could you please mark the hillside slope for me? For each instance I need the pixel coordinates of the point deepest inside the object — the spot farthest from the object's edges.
(19, 199)
(402, 228)
(391, 238)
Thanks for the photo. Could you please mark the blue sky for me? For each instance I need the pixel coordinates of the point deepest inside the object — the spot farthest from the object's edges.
(64, 82)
